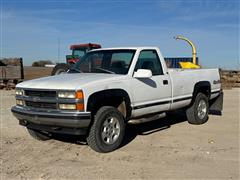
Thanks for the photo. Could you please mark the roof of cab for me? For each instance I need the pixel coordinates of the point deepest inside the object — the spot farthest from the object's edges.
(125, 48)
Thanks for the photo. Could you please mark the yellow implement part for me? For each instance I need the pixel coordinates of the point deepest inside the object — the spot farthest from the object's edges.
(188, 65)
(194, 51)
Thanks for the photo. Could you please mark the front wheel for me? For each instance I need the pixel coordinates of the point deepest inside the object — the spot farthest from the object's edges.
(107, 131)
(197, 113)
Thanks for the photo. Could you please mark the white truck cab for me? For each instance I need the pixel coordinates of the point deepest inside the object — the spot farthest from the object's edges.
(110, 86)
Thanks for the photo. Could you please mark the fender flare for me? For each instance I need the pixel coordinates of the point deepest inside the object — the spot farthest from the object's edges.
(201, 86)
(103, 95)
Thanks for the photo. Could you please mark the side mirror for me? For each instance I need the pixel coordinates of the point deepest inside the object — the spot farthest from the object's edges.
(143, 73)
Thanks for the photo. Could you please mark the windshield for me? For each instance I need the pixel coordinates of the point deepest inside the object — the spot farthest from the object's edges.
(105, 61)
(78, 52)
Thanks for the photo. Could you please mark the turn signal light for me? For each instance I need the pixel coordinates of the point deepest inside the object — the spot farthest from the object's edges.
(79, 94)
(80, 106)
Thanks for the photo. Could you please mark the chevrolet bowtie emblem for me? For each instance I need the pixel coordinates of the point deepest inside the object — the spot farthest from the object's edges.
(35, 99)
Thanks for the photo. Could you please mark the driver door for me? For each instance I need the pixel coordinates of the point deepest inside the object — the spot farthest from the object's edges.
(153, 94)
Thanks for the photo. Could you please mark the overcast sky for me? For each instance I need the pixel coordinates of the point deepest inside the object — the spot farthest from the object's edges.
(31, 29)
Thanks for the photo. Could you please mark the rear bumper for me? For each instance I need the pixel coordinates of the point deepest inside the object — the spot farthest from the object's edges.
(57, 122)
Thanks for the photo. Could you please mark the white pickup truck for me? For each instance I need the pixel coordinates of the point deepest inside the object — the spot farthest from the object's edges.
(109, 87)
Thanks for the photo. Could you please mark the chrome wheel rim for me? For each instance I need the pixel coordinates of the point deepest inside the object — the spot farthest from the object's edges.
(110, 130)
(202, 109)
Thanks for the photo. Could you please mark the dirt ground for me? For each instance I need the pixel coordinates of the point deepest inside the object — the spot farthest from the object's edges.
(168, 148)
(36, 72)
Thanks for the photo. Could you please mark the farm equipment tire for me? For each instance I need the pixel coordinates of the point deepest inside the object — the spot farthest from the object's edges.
(60, 69)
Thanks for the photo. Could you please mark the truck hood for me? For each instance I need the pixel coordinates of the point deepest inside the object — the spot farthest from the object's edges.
(68, 81)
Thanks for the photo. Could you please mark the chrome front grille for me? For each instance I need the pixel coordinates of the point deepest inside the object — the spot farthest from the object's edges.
(41, 105)
(45, 99)
(40, 99)
(33, 93)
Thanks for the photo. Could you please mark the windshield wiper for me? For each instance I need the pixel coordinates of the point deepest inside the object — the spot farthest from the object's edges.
(104, 70)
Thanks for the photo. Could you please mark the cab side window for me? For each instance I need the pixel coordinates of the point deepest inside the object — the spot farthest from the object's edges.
(148, 59)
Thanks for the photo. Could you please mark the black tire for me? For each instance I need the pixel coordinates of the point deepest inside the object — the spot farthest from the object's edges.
(95, 137)
(60, 68)
(194, 113)
(38, 135)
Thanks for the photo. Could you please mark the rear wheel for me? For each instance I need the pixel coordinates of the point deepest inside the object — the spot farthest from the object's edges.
(197, 113)
(107, 131)
(38, 135)
(60, 69)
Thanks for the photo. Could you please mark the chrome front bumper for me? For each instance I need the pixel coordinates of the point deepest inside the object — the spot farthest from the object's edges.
(53, 121)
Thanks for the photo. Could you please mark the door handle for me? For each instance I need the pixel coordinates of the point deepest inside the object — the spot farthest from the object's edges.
(165, 82)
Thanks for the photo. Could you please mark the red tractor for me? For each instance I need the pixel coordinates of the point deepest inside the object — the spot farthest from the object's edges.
(78, 51)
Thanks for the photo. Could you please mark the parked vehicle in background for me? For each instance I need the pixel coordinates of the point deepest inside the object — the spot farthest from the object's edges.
(78, 51)
(110, 86)
(11, 72)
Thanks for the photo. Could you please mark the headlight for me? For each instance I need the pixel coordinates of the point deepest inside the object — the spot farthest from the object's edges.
(71, 94)
(67, 106)
(67, 94)
(19, 102)
(19, 92)
(78, 96)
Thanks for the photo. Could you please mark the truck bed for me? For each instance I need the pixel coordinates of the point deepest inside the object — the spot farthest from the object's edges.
(181, 77)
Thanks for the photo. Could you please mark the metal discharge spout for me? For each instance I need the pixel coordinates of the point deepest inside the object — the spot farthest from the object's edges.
(194, 52)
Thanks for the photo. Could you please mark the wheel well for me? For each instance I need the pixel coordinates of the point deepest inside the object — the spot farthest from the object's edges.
(117, 98)
(203, 87)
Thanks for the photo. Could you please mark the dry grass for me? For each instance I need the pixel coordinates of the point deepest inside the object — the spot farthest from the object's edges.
(36, 72)
(230, 79)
